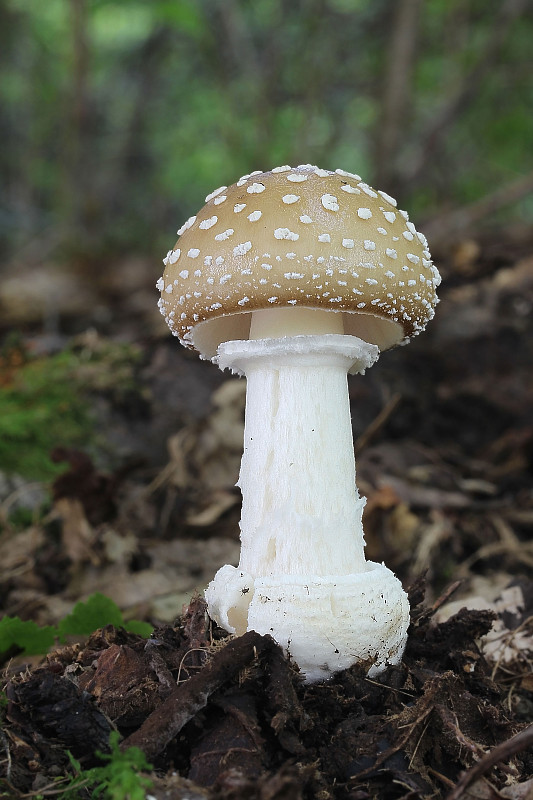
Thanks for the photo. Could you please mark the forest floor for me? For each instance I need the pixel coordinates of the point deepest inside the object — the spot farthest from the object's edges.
(129, 491)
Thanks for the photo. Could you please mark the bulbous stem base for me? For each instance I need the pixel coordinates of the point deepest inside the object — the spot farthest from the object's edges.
(325, 623)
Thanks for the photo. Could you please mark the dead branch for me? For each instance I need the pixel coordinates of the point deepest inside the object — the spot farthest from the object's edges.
(444, 227)
(502, 752)
(398, 87)
(377, 423)
(77, 176)
(432, 138)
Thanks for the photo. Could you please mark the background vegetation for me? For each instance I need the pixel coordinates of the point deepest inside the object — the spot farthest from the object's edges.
(118, 116)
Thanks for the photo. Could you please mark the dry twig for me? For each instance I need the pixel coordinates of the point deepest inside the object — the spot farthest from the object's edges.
(502, 752)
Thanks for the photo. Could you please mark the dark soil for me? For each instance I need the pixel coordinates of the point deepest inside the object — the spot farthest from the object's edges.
(233, 719)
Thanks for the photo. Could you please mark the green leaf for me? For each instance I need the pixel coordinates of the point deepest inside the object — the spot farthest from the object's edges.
(140, 628)
(87, 617)
(32, 638)
(183, 15)
(119, 779)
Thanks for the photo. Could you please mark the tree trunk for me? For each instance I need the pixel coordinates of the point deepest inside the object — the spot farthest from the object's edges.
(397, 91)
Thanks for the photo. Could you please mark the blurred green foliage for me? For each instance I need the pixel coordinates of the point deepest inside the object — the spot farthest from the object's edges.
(38, 410)
(118, 116)
(85, 618)
(44, 402)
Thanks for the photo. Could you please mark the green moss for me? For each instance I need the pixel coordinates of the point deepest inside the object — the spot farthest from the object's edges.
(21, 518)
(40, 409)
(46, 402)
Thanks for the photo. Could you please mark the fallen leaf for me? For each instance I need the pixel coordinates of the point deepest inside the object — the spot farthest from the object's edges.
(77, 536)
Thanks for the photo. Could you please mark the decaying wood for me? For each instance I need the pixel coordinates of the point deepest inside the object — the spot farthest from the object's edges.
(188, 698)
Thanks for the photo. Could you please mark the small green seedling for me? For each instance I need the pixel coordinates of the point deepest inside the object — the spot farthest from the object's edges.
(119, 779)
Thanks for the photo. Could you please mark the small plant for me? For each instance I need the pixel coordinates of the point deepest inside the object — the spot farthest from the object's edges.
(119, 779)
(84, 619)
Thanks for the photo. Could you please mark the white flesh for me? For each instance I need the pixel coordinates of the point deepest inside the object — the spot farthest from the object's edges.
(277, 322)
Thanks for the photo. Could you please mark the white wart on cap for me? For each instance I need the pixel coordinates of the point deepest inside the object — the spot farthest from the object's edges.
(302, 237)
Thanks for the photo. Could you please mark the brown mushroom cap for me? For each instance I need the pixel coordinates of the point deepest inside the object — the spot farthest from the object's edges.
(302, 237)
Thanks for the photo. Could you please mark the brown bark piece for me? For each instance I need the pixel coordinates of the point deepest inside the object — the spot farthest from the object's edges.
(232, 740)
(190, 697)
(52, 706)
(123, 684)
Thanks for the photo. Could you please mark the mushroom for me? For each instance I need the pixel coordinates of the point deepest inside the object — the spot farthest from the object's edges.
(296, 277)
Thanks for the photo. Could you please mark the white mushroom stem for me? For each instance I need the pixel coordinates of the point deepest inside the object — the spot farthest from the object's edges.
(301, 512)
(302, 574)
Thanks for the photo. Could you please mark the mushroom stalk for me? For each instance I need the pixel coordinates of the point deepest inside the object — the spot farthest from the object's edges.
(302, 575)
(301, 511)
